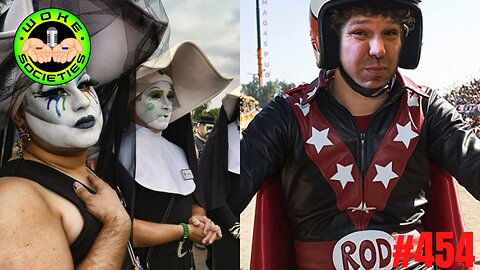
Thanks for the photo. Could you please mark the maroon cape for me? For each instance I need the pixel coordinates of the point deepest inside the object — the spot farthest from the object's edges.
(272, 245)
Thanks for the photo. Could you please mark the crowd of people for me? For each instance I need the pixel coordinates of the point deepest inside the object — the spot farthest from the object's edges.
(249, 107)
(466, 100)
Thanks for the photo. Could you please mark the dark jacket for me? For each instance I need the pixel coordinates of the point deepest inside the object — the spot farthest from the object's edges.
(273, 144)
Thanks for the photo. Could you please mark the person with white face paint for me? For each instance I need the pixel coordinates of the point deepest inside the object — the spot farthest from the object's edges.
(160, 158)
(73, 108)
(157, 162)
(55, 212)
(57, 125)
(155, 105)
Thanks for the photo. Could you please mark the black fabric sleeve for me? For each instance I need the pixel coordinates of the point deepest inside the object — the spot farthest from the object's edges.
(224, 216)
(453, 144)
(263, 148)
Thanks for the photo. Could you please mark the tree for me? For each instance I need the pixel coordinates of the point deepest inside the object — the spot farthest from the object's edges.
(267, 92)
(203, 110)
(200, 111)
(215, 113)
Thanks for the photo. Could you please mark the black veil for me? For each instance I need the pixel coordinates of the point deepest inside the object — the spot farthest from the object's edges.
(124, 33)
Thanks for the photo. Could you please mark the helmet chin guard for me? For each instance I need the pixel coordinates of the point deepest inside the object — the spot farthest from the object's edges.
(367, 92)
(325, 40)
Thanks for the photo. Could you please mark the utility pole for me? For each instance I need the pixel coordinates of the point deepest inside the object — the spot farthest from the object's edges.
(259, 47)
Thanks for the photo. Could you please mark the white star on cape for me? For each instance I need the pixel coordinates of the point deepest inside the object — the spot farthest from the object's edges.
(344, 174)
(405, 134)
(305, 108)
(362, 207)
(384, 174)
(319, 139)
(413, 100)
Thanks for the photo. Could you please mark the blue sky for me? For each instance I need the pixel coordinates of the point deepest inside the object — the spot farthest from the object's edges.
(450, 52)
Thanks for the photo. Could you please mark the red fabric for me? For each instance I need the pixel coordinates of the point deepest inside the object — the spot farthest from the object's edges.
(273, 248)
(443, 213)
(272, 244)
(362, 122)
(329, 157)
(321, 252)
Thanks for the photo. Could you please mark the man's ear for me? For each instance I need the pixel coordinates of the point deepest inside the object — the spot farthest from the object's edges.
(19, 117)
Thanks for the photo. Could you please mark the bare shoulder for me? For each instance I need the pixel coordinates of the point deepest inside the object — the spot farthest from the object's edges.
(15, 183)
(17, 190)
(32, 235)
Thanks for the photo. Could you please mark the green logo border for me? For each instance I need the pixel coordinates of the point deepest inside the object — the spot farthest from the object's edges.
(28, 66)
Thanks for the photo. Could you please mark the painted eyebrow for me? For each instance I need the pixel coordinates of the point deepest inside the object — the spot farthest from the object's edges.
(155, 90)
(45, 88)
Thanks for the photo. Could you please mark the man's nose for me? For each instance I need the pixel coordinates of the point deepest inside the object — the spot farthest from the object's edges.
(377, 47)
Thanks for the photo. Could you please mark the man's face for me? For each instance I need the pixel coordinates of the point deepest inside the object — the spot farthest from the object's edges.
(202, 129)
(64, 116)
(369, 49)
(154, 106)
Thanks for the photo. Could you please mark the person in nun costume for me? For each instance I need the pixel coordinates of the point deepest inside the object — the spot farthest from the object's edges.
(123, 34)
(152, 158)
(219, 172)
(47, 188)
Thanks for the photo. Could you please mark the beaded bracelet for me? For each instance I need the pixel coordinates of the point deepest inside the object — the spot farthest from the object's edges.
(186, 231)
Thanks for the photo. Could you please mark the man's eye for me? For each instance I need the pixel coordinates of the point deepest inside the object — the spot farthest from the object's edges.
(51, 93)
(391, 34)
(171, 95)
(359, 34)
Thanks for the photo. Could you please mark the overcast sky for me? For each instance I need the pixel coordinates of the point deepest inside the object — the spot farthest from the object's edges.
(215, 26)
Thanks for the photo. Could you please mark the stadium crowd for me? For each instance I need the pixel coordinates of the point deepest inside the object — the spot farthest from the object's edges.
(466, 100)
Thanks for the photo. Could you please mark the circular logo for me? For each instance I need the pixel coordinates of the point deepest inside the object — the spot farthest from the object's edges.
(52, 46)
(370, 249)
